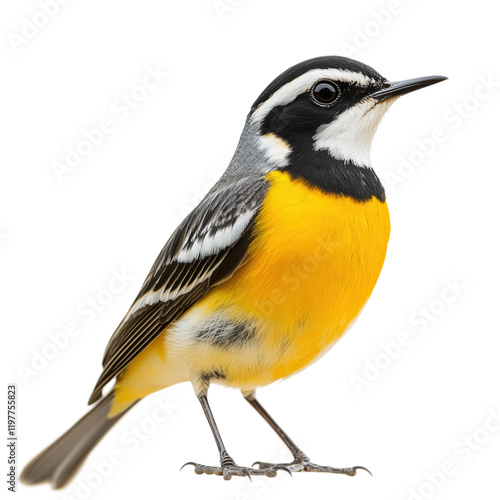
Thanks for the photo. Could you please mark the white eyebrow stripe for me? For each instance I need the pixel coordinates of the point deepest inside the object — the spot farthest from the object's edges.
(289, 92)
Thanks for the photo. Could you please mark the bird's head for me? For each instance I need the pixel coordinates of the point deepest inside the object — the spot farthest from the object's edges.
(329, 105)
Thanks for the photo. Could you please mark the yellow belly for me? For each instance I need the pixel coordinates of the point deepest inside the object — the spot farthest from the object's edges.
(315, 262)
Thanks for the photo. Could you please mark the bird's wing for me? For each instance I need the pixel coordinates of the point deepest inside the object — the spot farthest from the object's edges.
(204, 251)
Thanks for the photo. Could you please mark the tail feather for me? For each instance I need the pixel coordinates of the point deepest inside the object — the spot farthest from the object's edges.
(59, 462)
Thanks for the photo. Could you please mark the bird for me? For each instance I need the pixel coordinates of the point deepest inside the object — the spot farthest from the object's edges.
(266, 274)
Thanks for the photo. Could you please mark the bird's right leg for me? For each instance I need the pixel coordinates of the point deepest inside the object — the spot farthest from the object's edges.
(228, 467)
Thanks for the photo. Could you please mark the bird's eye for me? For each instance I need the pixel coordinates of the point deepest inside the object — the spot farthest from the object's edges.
(325, 93)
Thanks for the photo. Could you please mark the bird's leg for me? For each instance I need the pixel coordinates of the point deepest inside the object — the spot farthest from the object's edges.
(228, 468)
(300, 460)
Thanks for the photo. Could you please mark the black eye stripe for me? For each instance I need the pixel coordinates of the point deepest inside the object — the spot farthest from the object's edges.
(325, 93)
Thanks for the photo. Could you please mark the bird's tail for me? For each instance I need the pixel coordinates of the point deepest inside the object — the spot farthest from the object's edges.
(59, 462)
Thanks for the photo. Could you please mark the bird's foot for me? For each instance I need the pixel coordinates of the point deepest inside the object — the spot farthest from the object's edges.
(303, 464)
(228, 468)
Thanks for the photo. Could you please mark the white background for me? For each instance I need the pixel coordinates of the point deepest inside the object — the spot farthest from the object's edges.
(62, 240)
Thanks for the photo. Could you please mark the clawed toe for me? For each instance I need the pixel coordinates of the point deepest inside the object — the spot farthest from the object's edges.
(348, 471)
(360, 467)
(228, 468)
(304, 465)
(228, 471)
(262, 465)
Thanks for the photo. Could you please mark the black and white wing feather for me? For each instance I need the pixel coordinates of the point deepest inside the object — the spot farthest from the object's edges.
(204, 251)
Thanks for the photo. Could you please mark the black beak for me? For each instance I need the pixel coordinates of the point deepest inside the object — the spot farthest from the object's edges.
(396, 89)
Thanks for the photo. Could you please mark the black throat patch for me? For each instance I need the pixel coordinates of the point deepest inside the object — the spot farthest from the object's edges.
(320, 170)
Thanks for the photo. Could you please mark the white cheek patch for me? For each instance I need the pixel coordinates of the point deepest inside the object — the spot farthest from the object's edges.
(275, 149)
(290, 91)
(349, 137)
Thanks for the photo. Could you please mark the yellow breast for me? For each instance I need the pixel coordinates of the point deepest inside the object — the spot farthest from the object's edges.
(315, 261)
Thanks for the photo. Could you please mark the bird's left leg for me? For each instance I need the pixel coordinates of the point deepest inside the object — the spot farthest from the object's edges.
(300, 461)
